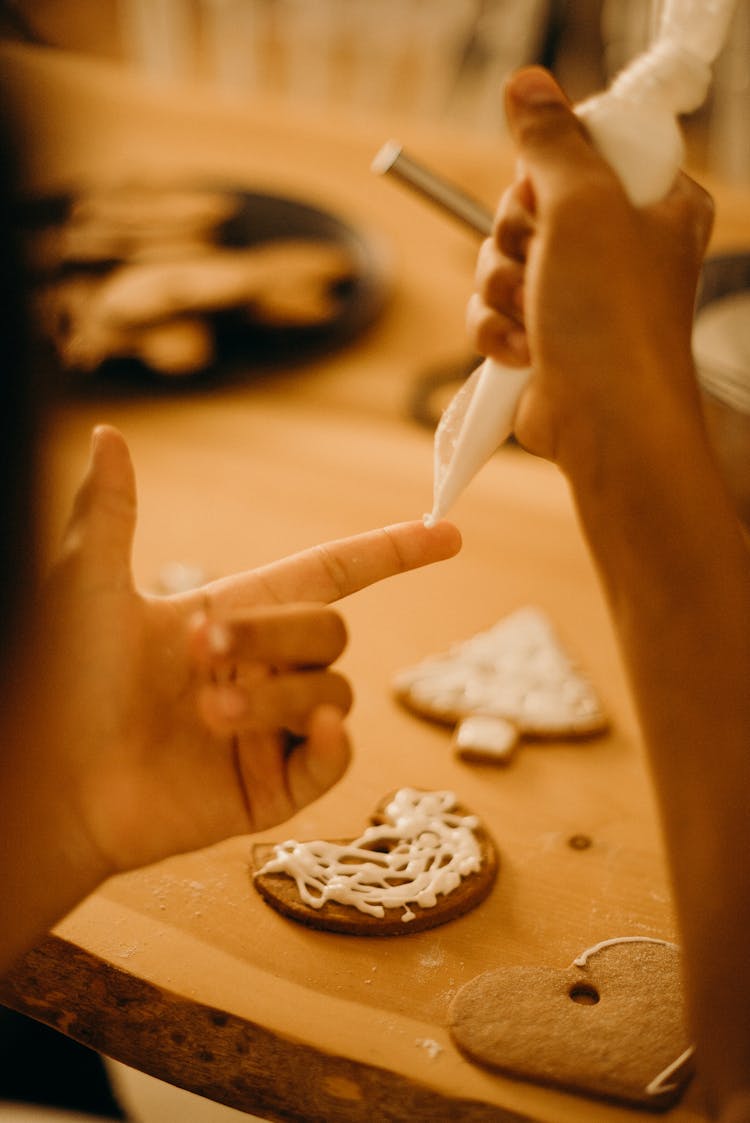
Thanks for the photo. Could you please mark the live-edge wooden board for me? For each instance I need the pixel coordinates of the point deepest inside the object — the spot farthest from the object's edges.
(182, 970)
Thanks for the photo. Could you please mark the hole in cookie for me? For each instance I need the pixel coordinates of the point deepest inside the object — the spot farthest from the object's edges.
(584, 994)
(343, 289)
(580, 842)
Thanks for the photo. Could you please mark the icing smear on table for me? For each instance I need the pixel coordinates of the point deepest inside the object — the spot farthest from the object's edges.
(422, 852)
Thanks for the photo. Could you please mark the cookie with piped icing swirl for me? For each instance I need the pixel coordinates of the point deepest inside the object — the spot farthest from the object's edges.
(423, 861)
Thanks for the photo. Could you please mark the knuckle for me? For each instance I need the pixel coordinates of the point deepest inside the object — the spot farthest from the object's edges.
(343, 695)
(335, 569)
(338, 630)
(326, 631)
(512, 238)
(490, 336)
(486, 261)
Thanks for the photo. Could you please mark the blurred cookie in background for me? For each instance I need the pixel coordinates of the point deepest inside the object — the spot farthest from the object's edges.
(179, 282)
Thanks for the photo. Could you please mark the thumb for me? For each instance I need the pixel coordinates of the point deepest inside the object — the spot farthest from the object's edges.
(551, 140)
(102, 524)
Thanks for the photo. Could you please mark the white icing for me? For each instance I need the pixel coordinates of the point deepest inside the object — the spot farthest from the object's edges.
(659, 1084)
(516, 670)
(580, 960)
(431, 1047)
(427, 848)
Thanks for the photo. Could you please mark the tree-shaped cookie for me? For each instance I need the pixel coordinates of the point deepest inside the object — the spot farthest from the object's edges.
(514, 680)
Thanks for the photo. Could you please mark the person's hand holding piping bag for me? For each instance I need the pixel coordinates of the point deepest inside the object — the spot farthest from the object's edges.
(634, 124)
(597, 295)
(552, 272)
(142, 726)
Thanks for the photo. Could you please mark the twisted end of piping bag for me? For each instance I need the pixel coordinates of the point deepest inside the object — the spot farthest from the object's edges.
(634, 126)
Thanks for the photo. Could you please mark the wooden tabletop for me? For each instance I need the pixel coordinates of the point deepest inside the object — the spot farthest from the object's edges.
(181, 970)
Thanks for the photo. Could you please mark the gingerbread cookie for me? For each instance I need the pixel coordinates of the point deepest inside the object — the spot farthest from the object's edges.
(156, 311)
(514, 680)
(120, 221)
(151, 274)
(611, 1025)
(422, 862)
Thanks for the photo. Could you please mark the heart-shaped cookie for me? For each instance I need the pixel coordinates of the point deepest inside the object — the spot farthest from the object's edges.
(610, 1025)
(423, 861)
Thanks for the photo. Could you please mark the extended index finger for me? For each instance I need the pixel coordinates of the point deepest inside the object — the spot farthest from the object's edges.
(336, 569)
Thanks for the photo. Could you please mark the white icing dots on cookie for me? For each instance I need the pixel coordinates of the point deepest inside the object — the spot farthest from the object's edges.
(421, 853)
(516, 671)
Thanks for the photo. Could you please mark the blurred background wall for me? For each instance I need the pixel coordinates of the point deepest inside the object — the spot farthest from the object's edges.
(437, 59)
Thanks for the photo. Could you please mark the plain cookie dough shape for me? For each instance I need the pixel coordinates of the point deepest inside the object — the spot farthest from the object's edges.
(393, 827)
(611, 1025)
(516, 677)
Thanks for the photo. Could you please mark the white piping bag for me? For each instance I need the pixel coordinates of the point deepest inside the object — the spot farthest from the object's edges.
(634, 126)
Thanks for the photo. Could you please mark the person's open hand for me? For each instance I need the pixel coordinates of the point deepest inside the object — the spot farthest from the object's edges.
(166, 724)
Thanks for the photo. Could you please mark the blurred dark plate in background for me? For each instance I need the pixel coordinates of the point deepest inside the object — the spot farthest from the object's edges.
(252, 336)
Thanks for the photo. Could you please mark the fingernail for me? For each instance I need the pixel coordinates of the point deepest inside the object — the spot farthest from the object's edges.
(230, 702)
(219, 640)
(330, 713)
(518, 343)
(535, 87)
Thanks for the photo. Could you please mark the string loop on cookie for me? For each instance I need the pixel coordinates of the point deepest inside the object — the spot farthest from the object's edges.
(660, 1083)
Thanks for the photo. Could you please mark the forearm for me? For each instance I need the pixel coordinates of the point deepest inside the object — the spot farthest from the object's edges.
(46, 867)
(676, 571)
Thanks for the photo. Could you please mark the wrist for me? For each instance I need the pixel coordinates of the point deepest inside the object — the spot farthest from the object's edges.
(652, 501)
(47, 863)
(619, 430)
